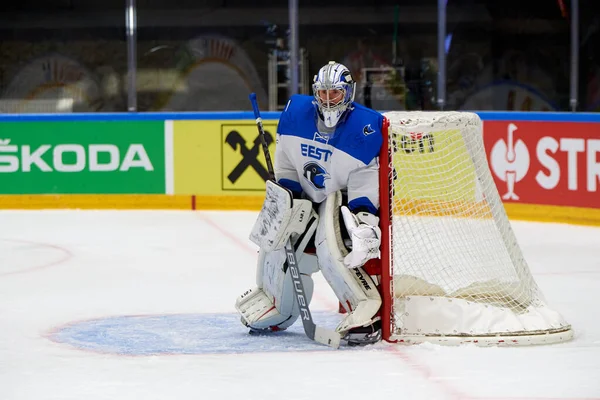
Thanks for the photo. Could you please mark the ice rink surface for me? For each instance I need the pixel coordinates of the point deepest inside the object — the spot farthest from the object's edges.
(138, 305)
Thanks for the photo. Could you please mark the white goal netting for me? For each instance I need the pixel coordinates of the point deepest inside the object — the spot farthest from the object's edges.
(457, 271)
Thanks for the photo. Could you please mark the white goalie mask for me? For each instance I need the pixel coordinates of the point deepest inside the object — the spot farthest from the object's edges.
(333, 89)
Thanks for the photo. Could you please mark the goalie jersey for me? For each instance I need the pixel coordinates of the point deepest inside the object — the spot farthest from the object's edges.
(317, 164)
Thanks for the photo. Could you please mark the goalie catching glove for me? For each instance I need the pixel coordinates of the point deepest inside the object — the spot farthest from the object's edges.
(365, 234)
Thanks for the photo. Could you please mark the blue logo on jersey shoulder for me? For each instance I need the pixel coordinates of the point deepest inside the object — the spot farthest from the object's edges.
(316, 174)
(367, 130)
(315, 152)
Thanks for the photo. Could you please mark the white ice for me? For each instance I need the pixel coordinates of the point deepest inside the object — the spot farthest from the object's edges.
(66, 269)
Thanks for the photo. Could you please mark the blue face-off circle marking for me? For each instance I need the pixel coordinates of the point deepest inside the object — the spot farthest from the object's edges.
(181, 334)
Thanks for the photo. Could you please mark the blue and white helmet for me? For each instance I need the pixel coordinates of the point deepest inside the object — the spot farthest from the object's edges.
(333, 89)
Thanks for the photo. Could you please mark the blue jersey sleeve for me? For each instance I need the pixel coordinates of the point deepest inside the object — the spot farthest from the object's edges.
(362, 137)
(286, 122)
(298, 108)
(285, 171)
(364, 141)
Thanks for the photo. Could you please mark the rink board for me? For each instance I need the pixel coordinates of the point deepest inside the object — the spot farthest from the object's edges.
(213, 161)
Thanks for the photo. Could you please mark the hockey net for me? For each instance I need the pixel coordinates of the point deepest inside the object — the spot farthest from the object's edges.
(456, 272)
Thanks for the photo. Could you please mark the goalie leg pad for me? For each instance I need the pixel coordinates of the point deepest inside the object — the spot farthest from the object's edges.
(254, 305)
(270, 265)
(271, 305)
(260, 312)
(353, 287)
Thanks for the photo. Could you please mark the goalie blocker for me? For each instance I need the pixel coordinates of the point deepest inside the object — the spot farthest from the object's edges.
(270, 306)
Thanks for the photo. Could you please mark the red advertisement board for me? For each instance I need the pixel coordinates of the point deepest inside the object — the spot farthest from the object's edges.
(551, 163)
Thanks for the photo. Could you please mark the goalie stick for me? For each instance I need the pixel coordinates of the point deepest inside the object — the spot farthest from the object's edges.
(318, 334)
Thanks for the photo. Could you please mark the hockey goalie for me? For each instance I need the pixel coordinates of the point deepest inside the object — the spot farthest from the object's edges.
(325, 199)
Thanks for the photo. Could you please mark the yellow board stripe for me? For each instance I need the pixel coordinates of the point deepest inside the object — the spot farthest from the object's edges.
(528, 212)
(543, 213)
(130, 202)
(432, 208)
(98, 202)
(515, 211)
(248, 203)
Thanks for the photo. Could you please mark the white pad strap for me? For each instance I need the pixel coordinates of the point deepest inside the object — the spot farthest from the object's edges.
(353, 287)
(280, 217)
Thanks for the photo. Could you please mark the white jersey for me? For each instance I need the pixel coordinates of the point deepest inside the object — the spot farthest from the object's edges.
(317, 164)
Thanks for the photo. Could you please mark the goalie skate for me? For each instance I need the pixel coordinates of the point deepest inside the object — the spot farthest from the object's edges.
(364, 335)
(261, 332)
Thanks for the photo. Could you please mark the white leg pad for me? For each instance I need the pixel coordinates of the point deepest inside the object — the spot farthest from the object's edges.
(254, 305)
(259, 310)
(271, 305)
(353, 287)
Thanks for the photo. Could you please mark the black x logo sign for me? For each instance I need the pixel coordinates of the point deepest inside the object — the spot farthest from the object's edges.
(250, 156)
